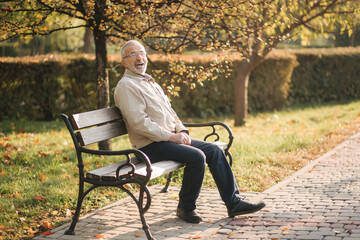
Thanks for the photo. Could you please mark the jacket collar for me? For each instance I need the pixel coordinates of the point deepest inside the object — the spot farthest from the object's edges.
(139, 77)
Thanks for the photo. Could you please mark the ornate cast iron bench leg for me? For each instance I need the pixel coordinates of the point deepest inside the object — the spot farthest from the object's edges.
(165, 189)
(75, 219)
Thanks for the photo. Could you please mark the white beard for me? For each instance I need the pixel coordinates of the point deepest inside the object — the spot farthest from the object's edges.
(140, 70)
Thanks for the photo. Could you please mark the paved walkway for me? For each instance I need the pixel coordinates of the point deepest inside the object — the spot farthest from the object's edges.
(321, 201)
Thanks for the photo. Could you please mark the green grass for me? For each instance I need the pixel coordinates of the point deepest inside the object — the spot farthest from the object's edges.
(38, 173)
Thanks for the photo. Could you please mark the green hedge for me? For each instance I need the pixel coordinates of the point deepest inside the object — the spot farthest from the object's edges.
(325, 75)
(42, 87)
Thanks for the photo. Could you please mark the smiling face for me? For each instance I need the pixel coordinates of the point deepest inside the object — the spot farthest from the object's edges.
(135, 58)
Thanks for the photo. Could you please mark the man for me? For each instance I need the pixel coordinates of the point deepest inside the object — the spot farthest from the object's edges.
(155, 129)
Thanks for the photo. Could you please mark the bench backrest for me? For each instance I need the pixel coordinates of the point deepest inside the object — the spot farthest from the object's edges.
(98, 125)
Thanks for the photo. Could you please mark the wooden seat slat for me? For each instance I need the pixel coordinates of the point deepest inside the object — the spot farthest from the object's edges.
(95, 117)
(100, 133)
(108, 173)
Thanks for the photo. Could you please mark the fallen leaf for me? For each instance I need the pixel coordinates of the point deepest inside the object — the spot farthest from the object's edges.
(31, 231)
(138, 234)
(175, 195)
(230, 234)
(16, 194)
(2, 173)
(43, 154)
(42, 177)
(195, 237)
(7, 138)
(38, 197)
(54, 213)
(99, 236)
(36, 141)
(47, 225)
(46, 233)
(285, 229)
(7, 156)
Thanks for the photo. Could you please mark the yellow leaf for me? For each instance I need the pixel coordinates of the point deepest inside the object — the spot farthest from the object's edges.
(175, 195)
(138, 234)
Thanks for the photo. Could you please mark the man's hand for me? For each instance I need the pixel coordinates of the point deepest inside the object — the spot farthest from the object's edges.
(181, 138)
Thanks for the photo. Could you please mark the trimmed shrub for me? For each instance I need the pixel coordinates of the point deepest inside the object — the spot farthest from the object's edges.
(42, 87)
(325, 75)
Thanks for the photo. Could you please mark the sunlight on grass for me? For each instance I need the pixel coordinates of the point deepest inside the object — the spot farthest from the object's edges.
(38, 174)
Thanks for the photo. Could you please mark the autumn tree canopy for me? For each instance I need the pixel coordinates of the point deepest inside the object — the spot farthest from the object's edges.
(252, 28)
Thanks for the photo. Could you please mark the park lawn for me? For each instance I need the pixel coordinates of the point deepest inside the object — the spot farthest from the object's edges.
(38, 174)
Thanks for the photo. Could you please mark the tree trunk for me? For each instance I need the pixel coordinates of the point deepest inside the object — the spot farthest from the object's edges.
(103, 94)
(241, 93)
(88, 40)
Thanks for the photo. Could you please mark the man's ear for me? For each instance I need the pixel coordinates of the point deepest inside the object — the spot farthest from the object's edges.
(123, 63)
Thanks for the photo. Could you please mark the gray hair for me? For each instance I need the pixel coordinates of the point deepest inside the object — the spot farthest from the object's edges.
(127, 44)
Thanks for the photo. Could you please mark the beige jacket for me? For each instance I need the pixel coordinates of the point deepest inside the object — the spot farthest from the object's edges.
(147, 111)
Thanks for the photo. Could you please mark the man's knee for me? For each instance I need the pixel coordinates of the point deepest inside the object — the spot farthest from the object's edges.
(198, 158)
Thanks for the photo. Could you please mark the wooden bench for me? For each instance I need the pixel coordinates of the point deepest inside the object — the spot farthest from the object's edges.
(107, 123)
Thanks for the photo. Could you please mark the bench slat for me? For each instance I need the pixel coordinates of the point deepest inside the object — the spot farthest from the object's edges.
(108, 173)
(100, 133)
(221, 145)
(95, 117)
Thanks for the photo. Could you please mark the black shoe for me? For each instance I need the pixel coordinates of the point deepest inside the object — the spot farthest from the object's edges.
(191, 217)
(243, 207)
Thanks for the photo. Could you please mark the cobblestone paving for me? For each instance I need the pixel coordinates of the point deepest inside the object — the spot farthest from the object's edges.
(121, 220)
(321, 201)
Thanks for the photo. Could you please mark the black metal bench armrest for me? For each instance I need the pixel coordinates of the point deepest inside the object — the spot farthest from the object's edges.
(216, 135)
(139, 154)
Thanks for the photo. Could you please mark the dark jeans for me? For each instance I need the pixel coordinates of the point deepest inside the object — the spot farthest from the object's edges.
(195, 157)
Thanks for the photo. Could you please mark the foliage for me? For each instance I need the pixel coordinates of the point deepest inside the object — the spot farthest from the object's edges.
(42, 87)
(253, 28)
(270, 82)
(326, 75)
(115, 20)
(38, 175)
